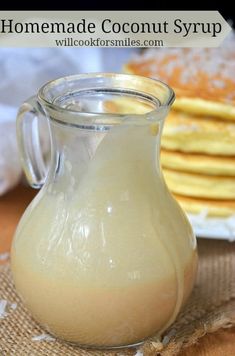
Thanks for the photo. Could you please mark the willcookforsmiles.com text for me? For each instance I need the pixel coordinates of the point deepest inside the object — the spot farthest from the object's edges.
(99, 42)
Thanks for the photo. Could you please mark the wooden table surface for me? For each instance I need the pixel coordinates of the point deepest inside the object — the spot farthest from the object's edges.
(13, 204)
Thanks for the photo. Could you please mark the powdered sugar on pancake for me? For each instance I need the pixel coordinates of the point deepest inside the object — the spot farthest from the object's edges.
(200, 72)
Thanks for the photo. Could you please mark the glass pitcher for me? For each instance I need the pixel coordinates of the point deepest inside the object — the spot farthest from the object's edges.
(103, 256)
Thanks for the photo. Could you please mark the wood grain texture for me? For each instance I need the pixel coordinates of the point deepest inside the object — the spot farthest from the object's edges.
(221, 343)
(13, 204)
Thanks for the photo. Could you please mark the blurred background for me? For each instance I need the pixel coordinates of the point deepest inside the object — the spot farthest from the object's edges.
(24, 71)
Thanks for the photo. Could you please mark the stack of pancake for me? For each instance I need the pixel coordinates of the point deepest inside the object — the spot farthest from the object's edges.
(198, 143)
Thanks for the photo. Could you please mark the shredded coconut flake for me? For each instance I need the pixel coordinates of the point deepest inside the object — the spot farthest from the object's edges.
(4, 256)
(168, 337)
(43, 337)
(139, 353)
(3, 305)
(14, 306)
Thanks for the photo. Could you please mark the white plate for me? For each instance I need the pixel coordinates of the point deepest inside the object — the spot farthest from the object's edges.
(213, 228)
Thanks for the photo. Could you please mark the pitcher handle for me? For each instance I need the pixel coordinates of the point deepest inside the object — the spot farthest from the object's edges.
(28, 138)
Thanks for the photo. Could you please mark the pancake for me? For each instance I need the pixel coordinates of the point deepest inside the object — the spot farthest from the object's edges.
(219, 208)
(187, 133)
(202, 78)
(200, 186)
(198, 163)
(126, 106)
(204, 107)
